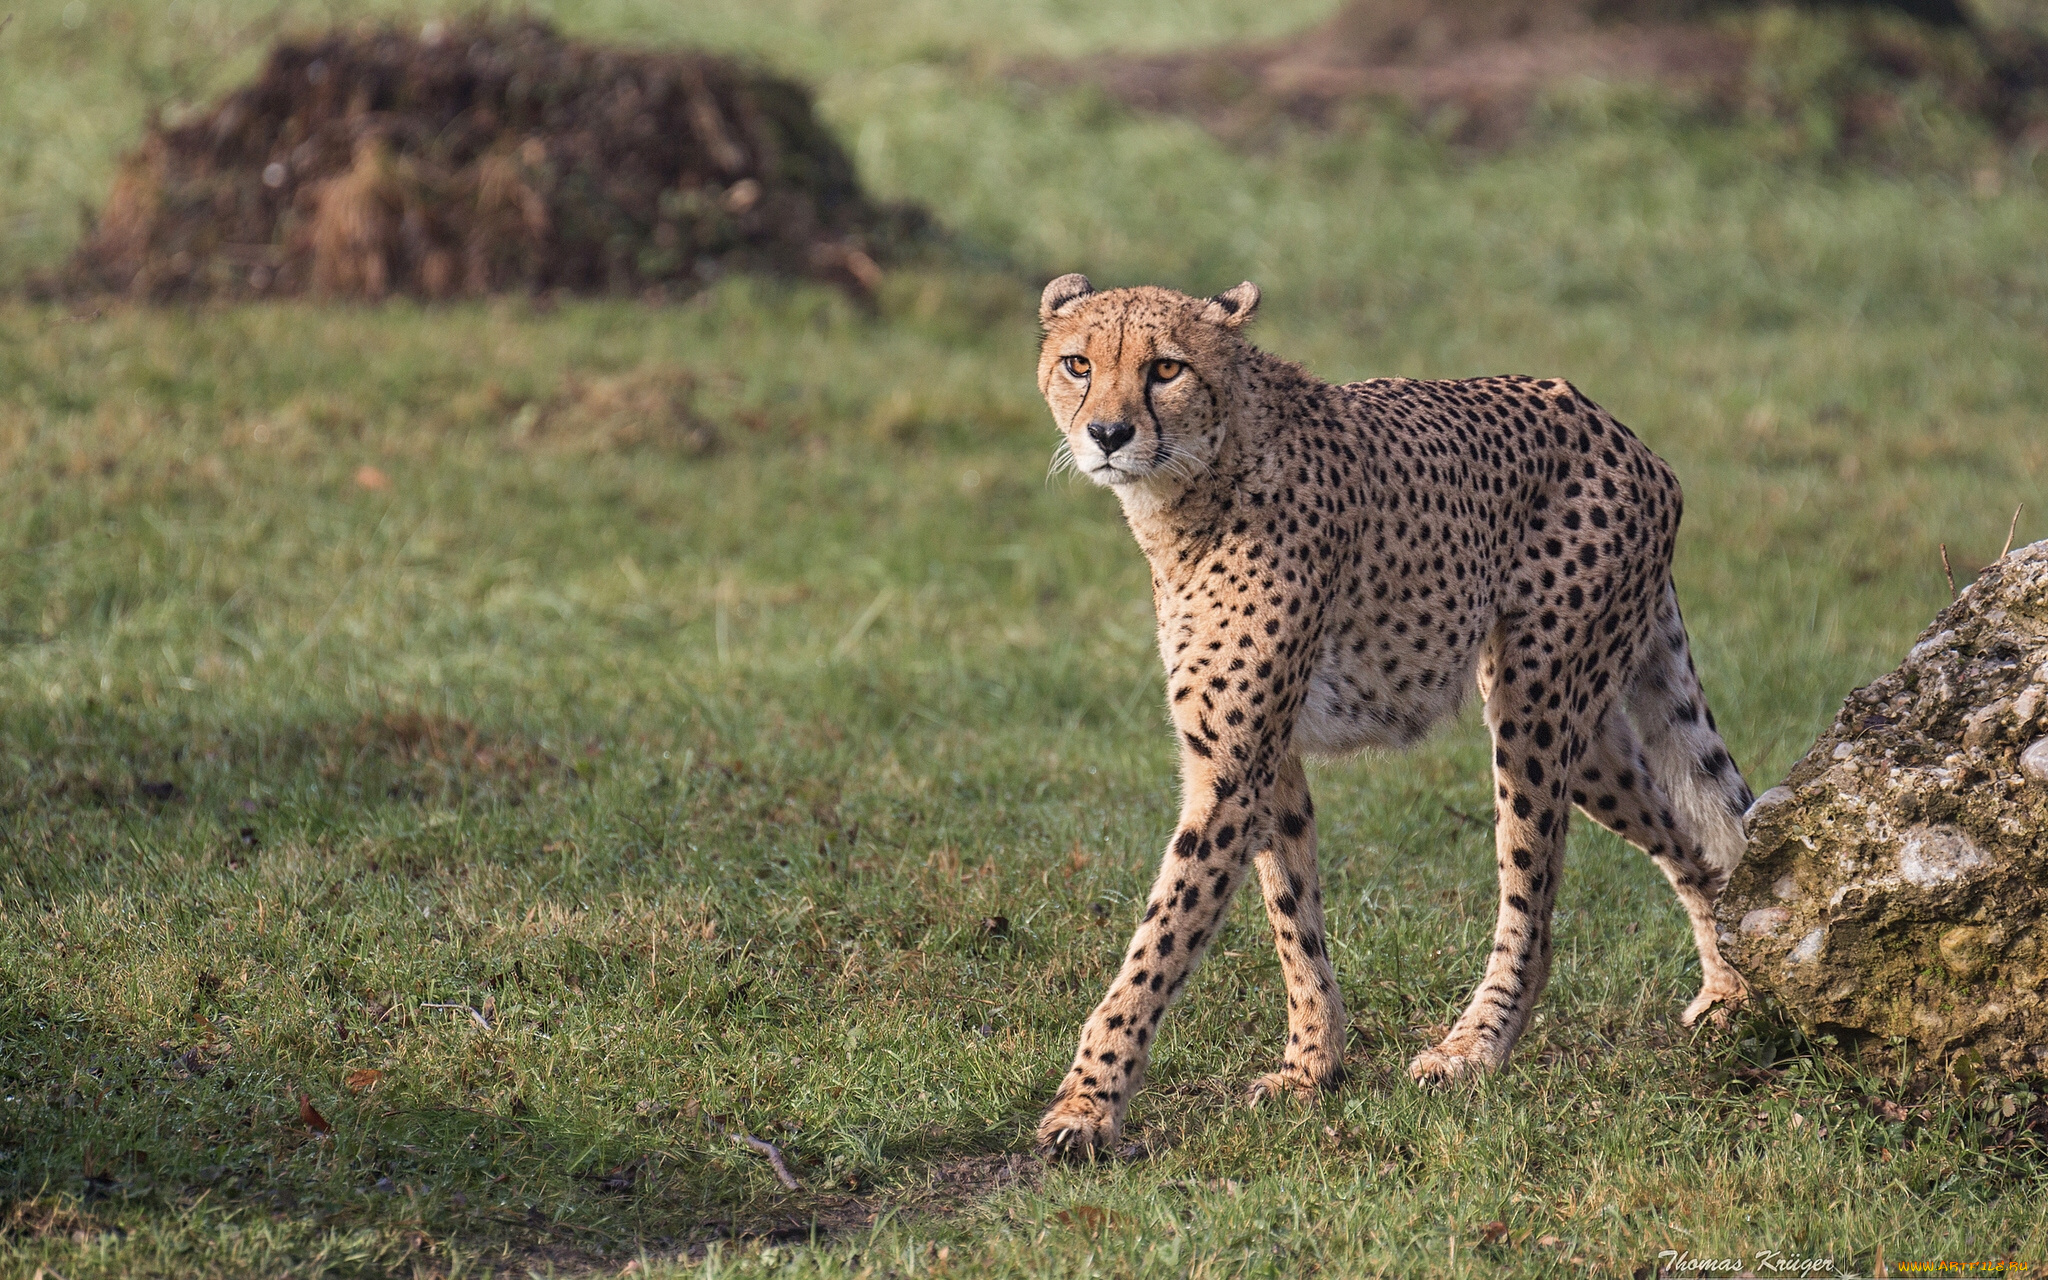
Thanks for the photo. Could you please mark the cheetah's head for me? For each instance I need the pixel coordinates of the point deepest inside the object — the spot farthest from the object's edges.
(1138, 379)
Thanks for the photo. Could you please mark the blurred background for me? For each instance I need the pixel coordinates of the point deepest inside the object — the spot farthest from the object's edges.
(544, 512)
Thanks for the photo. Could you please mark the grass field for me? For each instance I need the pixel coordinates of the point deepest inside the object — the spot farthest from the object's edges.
(806, 787)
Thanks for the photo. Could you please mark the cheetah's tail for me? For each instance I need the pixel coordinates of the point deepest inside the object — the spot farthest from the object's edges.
(1684, 746)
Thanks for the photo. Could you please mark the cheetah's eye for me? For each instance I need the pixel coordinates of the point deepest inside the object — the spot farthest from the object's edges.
(1077, 366)
(1166, 370)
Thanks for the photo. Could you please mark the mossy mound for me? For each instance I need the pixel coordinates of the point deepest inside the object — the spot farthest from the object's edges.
(481, 158)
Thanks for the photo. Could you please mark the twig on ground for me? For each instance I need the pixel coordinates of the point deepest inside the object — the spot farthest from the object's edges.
(2011, 529)
(768, 1149)
(774, 1157)
(1462, 816)
(478, 1018)
(1948, 573)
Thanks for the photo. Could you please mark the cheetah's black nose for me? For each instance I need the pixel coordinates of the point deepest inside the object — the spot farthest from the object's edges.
(1111, 436)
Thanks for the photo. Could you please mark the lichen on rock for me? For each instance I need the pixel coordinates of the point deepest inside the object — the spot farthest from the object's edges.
(1895, 883)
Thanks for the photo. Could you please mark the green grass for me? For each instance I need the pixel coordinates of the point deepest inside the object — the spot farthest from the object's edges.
(703, 774)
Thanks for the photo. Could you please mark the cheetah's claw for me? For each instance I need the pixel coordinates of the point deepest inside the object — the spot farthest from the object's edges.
(1076, 1130)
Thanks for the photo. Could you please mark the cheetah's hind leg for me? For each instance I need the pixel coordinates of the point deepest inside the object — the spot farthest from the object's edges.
(1533, 748)
(1661, 778)
(1708, 792)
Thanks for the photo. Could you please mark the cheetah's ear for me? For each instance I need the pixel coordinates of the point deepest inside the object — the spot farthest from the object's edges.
(1233, 307)
(1062, 294)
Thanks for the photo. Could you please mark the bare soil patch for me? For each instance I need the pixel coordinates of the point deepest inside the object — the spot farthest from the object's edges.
(427, 754)
(1478, 68)
(944, 1188)
(486, 157)
(1472, 71)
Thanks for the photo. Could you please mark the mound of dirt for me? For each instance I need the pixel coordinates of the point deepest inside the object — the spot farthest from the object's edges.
(486, 157)
(1474, 69)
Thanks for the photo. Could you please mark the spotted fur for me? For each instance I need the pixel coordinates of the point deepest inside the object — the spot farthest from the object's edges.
(1332, 568)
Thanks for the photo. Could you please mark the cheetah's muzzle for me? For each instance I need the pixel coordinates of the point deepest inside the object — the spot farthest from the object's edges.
(1332, 567)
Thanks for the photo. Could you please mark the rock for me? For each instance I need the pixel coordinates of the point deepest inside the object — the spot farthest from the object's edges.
(1895, 883)
(2034, 762)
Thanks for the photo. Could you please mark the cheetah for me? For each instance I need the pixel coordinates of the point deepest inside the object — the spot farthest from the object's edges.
(1332, 566)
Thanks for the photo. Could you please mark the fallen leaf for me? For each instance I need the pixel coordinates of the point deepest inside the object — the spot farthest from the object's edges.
(312, 1117)
(1493, 1232)
(1090, 1218)
(369, 477)
(1549, 1242)
(362, 1079)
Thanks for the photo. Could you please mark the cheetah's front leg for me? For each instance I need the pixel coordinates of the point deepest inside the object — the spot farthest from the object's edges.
(1219, 828)
(1314, 1058)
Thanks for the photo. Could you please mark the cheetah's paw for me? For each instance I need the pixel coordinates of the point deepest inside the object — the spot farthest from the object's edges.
(1728, 994)
(1078, 1128)
(1288, 1082)
(1440, 1066)
(1292, 1081)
